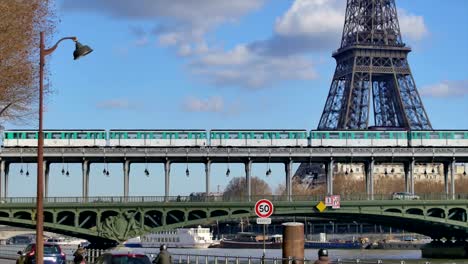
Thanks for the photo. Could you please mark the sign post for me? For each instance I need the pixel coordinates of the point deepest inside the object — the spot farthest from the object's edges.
(264, 209)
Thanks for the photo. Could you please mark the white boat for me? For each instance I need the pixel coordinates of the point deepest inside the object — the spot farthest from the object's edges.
(179, 238)
(68, 242)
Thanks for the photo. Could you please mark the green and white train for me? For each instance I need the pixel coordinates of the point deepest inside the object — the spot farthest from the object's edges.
(236, 138)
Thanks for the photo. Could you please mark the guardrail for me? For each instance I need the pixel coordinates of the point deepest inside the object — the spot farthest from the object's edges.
(93, 254)
(206, 199)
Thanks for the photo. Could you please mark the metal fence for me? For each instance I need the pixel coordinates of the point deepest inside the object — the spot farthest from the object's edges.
(7, 252)
(209, 199)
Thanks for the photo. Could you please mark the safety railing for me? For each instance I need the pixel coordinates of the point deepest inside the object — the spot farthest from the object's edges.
(209, 199)
(8, 252)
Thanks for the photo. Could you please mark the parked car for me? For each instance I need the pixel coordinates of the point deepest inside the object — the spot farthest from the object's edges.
(128, 256)
(404, 196)
(53, 254)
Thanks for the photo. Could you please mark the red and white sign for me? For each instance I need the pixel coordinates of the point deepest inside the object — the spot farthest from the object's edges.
(336, 201)
(264, 208)
(328, 200)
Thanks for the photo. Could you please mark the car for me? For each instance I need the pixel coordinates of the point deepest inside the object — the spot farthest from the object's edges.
(404, 196)
(53, 254)
(123, 256)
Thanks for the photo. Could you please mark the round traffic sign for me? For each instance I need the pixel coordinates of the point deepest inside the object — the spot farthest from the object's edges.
(264, 208)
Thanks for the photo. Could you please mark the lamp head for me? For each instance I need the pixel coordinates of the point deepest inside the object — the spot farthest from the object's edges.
(81, 50)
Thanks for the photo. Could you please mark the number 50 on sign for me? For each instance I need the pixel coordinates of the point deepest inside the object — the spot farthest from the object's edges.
(264, 208)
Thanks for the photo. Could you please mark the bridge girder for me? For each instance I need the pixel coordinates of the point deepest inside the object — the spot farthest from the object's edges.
(121, 221)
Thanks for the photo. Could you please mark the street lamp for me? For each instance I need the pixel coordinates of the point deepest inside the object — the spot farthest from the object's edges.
(80, 51)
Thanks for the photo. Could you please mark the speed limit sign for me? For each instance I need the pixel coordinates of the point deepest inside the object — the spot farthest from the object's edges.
(263, 208)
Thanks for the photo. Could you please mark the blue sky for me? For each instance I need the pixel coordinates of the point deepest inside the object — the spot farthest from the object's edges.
(192, 64)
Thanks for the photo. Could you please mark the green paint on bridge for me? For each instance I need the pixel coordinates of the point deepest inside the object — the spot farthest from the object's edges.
(121, 218)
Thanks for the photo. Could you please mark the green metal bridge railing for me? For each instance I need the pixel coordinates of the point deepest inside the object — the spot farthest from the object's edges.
(207, 199)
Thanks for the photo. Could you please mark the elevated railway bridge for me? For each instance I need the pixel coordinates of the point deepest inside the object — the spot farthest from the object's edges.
(207, 155)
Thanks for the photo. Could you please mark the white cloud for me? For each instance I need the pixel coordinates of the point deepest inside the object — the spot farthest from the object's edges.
(117, 104)
(307, 26)
(412, 26)
(245, 68)
(312, 17)
(214, 104)
(446, 89)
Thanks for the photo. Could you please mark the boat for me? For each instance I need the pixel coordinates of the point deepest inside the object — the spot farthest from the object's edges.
(333, 244)
(68, 243)
(252, 240)
(179, 238)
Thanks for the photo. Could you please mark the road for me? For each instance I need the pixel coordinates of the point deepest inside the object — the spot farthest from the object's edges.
(7, 261)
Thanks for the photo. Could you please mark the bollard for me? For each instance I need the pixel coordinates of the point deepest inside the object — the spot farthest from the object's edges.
(293, 242)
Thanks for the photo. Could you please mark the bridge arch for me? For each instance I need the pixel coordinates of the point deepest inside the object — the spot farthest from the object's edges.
(218, 213)
(4, 214)
(415, 211)
(436, 212)
(196, 214)
(393, 210)
(24, 215)
(457, 214)
(87, 219)
(49, 217)
(175, 216)
(66, 218)
(153, 218)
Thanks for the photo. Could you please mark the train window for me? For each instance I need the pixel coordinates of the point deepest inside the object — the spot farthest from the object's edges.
(283, 136)
(132, 135)
(334, 135)
(371, 135)
(29, 135)
(157, 136)
(434, 135)
(458, 135)
(384, 135)
(349, 135)
(359, 135)
(183, 136)
(82, 135)
(258, 135)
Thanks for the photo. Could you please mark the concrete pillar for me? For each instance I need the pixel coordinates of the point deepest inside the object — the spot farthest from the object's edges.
(288, 170)
(3, 172)
(411, 175)
(369, 169)
(5, 179)
(329, 169)
(85, 178)
(293, 242)
(207, 175)
(167, 172)
(46, 168)
(126, 171)
(248, 179)
(452, 178)
(446, 178)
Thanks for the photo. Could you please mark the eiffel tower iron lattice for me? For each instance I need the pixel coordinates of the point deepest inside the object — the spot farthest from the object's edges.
(372, 64)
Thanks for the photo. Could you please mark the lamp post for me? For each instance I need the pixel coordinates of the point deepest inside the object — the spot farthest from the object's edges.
(80, 51)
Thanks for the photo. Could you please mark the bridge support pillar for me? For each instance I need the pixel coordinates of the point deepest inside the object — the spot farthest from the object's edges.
(409, 175)
(329, 169)
(85, 177)
(248, 179)
(446, 178)
(126, 171)
(4, 168)
(288, 169)
(369, 169)
(207, 175)
(46, 168)
(167, 172)
(452, 178)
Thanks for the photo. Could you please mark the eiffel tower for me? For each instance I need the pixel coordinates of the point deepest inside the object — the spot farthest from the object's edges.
(372, 64)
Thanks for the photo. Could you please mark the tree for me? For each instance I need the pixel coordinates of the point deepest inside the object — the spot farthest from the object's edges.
(236, 188)
(20, 24)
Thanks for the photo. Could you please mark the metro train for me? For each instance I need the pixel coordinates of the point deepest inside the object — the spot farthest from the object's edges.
(236, 138)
